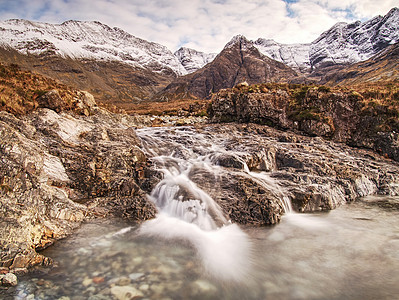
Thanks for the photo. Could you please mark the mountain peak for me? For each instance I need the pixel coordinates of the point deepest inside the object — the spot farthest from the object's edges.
(238, 39)
(393, 11)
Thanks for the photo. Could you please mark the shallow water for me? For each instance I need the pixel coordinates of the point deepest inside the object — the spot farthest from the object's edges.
(349, 253)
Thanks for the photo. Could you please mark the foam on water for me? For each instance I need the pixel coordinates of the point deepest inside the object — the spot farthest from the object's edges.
(225, 252)
(187, 212)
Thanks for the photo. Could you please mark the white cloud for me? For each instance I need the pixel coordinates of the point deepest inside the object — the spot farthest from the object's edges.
(205, 25)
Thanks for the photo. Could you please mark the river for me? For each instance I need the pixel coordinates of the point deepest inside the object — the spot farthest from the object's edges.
(192, 250)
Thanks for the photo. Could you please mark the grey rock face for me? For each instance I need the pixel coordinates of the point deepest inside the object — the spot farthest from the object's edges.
(57, 169)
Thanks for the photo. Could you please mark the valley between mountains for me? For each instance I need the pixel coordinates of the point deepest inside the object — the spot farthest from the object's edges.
(93, 122)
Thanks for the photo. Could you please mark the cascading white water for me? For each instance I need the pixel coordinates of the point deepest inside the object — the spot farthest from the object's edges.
(179, 197)
(188, 212)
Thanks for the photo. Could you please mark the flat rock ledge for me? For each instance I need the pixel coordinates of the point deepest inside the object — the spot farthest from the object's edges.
(313, 173)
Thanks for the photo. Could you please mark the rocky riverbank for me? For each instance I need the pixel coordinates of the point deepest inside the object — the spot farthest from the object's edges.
(368, 118)
(60, 167)
(314, 173)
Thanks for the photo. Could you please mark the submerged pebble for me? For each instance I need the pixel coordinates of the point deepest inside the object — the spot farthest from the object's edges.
(135, 276)
(125, 292)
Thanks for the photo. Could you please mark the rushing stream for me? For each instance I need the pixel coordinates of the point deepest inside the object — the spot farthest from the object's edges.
(191, 250)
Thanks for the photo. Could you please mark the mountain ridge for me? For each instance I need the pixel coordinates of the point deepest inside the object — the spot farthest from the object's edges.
(88, 40)
(119, 67)
(343, 43)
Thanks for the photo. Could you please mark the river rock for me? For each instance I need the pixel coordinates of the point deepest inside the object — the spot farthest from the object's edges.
(8, 279)
(125, 292)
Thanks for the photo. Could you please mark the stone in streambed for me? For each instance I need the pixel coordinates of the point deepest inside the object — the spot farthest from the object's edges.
(8, 280)
(125, 292)
(135, 276)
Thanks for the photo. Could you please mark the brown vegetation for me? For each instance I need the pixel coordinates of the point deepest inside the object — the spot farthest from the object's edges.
(180, 107)
(21, 91)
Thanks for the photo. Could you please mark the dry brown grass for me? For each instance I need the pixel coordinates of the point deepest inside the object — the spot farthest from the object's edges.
(20, 90)
(175, 107)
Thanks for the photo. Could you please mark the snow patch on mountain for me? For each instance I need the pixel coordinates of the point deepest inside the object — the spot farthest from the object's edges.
(193, 60)
(88, 40)
(341, 44)
(295, 56)
(350, 43)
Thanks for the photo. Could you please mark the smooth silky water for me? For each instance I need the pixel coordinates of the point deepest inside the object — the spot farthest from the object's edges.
(192, 251)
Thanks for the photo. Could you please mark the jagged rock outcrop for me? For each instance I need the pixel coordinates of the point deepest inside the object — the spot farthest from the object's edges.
(59, 168)
(339, 115)
(315, 174)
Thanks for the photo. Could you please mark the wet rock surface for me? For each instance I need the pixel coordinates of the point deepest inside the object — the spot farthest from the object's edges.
(253, 171)
(314, 173)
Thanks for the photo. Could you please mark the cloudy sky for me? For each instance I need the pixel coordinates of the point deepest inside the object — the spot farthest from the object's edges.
(205, 25)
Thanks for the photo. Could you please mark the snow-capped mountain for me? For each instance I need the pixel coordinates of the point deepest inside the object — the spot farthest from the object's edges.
(350, 43)
(239, 61)
(294, 55)
(341, 44)
(193, 60)
(88, 40)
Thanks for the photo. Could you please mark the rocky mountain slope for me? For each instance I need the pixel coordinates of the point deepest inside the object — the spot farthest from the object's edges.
(88, 40)
(384, 66)
(111, 82)
(239, 61)
(341, 44)
(294, 55)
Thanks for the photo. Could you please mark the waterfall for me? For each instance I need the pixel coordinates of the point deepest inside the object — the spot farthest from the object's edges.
(178, 196)
(185, 211)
